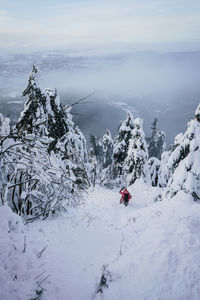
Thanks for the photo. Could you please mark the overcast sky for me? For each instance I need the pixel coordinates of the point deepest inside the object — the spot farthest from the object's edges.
(98, 24)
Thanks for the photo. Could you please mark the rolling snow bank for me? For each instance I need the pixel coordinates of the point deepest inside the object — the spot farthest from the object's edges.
(103, 250)
(160, 254)
(20, 259)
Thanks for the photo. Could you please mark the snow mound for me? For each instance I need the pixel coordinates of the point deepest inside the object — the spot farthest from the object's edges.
(20, 260)
(159, 256)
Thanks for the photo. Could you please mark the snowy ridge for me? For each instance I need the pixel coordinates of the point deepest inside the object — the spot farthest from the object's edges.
(148, 250)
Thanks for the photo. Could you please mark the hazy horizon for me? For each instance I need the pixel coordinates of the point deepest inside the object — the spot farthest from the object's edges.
(99, 25)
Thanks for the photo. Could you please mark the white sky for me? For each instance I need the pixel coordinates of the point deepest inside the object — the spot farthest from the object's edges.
(98, 24)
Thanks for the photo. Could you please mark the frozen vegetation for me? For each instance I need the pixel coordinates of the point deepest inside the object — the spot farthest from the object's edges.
(64, 234)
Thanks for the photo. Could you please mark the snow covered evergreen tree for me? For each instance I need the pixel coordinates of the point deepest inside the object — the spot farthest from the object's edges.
(46, 155)
(121, 146)
(154, 166)
(43, 114)
(107, 144)
(96, 158)
(165, 171)
(184, 162)
(105, 173)
(157, 141)
(179, 168)
(73, 150)
(135, 164)
(96, 144)
(93, 167)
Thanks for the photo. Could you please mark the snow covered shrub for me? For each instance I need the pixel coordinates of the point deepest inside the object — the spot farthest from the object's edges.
(135, 164)
(35, 183)
(183, 165)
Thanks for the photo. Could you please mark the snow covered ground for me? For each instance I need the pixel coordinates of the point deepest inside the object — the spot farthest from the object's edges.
(148, 250)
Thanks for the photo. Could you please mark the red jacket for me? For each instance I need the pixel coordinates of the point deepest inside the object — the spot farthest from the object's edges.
(123, 194)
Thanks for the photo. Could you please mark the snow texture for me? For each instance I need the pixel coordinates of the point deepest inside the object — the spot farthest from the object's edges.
(104, 250)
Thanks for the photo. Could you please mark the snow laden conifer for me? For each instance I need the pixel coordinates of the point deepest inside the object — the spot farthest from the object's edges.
(47, 157)
(157, 141)
(154, 166)
(93, 167)
(121, 146)
(96, 159)
(97, 149)
(73, 150)
(43, 113)
(183, 165)
(101, 155)
(107, 144)
(135, 164)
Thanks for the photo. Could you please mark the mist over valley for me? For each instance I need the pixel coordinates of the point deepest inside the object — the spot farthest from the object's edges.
(150, 84)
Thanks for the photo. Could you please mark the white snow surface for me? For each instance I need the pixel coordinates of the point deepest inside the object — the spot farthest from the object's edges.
(148, 250)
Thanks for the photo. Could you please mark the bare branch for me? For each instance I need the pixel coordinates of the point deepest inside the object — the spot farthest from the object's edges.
(82, 99)
(77, 114)
(22, 182)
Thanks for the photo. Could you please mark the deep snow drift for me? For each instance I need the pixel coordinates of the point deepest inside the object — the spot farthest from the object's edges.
(148, 250)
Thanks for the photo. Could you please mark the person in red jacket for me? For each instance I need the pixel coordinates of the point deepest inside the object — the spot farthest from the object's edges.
(126, 196)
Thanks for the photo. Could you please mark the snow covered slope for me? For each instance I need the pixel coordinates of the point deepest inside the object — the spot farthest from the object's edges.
(21, 259)
(103, 250)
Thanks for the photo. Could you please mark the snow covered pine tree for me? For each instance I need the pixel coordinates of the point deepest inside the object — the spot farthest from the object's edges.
(120, 152)
(135, 165)
(157, 142)
(49, 159)
(107, 144)
(102, 151)
(182, 170)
